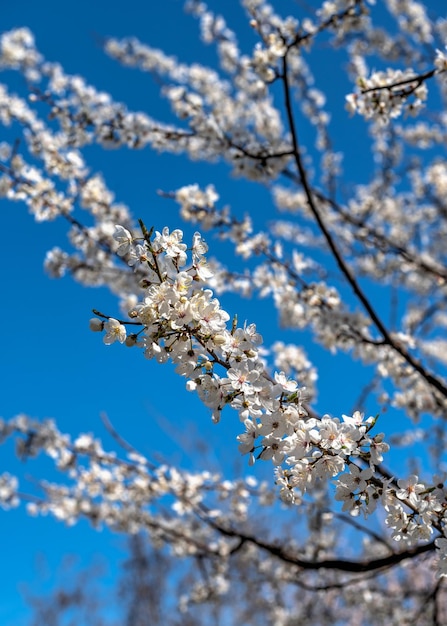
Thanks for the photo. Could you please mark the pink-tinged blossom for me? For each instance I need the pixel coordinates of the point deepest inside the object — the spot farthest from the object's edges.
(181, 314)
(137, 255)
(275, 424)
(171, 244)
(287, 384)
(244, 380)
(207, 312)
(273, 449)
(114, 332)
(357, 479)
(410, 489)
(199, 247)
(124, 239)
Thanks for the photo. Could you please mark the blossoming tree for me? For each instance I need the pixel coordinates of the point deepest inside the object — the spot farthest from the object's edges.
(318, 266)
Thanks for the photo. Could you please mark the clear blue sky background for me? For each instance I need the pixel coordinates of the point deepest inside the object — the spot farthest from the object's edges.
(50, 364)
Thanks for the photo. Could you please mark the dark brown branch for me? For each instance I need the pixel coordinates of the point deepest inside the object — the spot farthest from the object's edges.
(430, 378)
(342, 565)
(418, 79)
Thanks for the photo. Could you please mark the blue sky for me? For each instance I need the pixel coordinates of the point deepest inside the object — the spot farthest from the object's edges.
(50, 364)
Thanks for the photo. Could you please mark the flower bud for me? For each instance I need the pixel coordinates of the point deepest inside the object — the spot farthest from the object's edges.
(96, 325)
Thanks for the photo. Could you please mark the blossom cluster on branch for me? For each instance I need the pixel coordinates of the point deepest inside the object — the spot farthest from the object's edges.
(328, 240)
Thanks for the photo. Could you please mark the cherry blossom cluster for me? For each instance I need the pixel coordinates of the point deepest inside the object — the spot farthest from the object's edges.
(327, 241)
(123, 493)
(182, 321)
(120, 493)
(386, 95)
